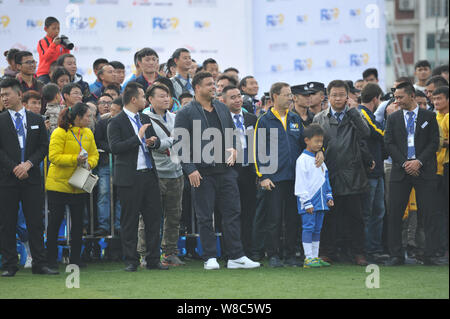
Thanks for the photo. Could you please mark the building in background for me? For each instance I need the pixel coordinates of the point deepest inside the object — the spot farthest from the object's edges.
(421, 29)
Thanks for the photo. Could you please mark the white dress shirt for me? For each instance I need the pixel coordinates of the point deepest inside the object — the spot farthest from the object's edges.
(141, 163)
(24, 121)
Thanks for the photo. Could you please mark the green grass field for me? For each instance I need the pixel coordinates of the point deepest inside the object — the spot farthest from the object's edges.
(108, 280)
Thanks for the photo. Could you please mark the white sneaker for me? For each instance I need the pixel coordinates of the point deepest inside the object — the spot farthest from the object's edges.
(28, 262)
(211, 264)
(243, 262)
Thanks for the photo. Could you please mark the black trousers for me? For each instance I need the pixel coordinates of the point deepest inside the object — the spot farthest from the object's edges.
(343, 227)
(281, 205)
(247, 190)
(220, 190)
(142, 197)
(399, 193)
(57, 202)
(32, 197)
(259, 231)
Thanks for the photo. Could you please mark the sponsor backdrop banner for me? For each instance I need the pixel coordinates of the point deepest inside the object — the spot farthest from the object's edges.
(297, 41)
(116, 29)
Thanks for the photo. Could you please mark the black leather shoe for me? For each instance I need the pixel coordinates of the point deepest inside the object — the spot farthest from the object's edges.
(275, 262)
(394, 261)
(293, 262)
(158, 266)
(433, 261)
(9, 273)
(131, 268)
(377, 257)
(44, 271)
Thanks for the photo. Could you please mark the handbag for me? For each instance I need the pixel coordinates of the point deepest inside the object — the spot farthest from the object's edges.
(83, 179)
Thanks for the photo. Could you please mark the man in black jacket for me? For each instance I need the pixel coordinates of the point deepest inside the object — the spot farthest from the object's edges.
(130, 136)
(247, 176)
(213, 180)
(344, 129)
(373, 200)
(412, 139)
(23, 146)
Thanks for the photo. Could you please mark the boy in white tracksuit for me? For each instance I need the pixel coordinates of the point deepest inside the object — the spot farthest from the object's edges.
(314, 197)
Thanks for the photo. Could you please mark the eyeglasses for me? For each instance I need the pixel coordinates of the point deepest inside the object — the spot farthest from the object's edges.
(290, 95)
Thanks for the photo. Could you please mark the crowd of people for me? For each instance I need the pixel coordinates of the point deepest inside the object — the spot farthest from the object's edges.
(312, 173)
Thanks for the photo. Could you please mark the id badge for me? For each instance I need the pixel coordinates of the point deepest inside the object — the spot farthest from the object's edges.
(410, 140)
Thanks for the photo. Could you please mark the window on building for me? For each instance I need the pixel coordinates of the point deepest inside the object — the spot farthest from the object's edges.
(437, 8)
(408, 43)
(431, 41)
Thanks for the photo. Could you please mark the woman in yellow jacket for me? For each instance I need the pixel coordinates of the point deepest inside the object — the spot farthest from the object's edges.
(67, 150)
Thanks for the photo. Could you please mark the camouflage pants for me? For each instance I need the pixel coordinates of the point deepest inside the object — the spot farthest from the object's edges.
(171, 198)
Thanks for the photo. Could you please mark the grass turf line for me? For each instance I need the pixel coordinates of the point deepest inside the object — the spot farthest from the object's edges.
(108, 280)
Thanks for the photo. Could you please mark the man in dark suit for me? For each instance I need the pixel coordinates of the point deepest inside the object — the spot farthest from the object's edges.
(247, 176)
(412, 139)
(210, 174)
(23, 146)
(130, 136)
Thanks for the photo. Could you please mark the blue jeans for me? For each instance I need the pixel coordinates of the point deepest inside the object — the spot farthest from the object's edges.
(104, 201)
(373, 213)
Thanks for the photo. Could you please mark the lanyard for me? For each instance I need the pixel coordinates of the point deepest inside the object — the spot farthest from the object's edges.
(79, 141)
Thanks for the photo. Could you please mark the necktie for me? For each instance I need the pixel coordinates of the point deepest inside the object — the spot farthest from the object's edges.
(241, 128)
(146, 154)
(21, 133)
(410, 128)
(338, 116)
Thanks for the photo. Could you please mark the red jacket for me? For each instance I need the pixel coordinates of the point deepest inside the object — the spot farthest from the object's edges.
(48, 52)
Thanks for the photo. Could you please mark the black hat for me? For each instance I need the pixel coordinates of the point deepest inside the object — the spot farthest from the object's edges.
(301, 89)
(267, 95)
(316, 86)
(352, 87)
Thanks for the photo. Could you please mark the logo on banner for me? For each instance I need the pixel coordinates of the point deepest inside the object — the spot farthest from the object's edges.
(33, 24)
(276, 68)
(88, 50)
(274, 20)
(355, 12)
(303, 64)
(4, 21)
(35, 2)
(359, 59)
(345, 39)
(302, 19)
(165, 23)
(280, 46)
(124, 25)
(330, 64)
(328, 15)
(202, 25)
(123, 49)
(320, 42)
(202, 3)
(80, 24)
(104, 1)
(142, 3)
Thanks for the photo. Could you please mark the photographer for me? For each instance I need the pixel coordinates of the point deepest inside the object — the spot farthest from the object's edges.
(50, 48)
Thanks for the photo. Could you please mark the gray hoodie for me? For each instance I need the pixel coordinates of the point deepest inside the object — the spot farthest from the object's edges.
(164, 165)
